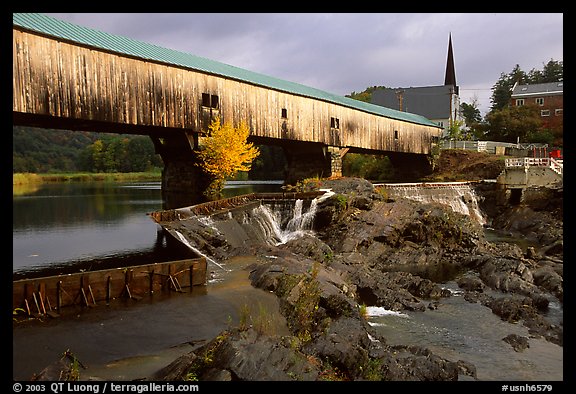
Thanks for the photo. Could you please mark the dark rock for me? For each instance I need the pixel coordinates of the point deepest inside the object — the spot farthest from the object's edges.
(176, 370)
(344, 345)
(66, 368)
(518, 342)
(470, 283)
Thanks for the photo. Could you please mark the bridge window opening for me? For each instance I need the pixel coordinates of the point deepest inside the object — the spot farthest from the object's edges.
(335, 123)
(284, 113)
(395, 134)
(209, 100)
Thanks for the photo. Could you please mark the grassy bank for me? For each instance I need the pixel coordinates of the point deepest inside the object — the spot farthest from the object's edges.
(31, 179)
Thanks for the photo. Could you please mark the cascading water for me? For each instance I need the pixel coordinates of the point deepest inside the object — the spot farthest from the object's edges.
(273, 223)
(197, 251)
(270, 222)
(460, 196)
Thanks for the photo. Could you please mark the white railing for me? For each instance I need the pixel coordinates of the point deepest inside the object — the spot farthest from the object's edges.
(557, 165)
(554, 164)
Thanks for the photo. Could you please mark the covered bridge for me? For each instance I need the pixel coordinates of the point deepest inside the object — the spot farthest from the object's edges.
(71, 77)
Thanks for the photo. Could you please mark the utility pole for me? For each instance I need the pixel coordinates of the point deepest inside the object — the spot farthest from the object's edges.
(400, 96)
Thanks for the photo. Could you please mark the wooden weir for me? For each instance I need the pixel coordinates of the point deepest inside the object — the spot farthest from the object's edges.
(47, 296)
(225, 204)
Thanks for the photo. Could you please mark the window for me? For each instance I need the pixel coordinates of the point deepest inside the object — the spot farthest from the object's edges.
(284, 113)
(210, 100)
(395, 134)
(545, 112)
(335, 123)
(519, 102)
(213, 101)
(540, 101)
(558, 111)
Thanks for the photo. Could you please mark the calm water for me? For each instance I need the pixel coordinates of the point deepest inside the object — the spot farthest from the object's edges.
(62, 225)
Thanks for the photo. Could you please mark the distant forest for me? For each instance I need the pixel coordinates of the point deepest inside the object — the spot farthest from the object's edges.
(38, 150)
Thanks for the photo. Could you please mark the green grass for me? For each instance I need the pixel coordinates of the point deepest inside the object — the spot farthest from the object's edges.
(31, 178)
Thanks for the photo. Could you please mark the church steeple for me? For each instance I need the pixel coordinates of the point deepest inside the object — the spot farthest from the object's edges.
(450, 78)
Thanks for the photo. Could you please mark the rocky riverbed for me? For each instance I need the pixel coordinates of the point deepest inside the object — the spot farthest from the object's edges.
(369, 250)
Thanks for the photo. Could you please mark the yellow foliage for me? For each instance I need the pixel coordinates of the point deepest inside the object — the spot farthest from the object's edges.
(225, 151)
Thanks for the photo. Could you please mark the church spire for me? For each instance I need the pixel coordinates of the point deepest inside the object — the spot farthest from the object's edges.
(450, 78)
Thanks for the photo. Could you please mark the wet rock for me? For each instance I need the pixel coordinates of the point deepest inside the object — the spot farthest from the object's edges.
(242, 355)
(66, 368)
(413, 363)
(176, 370)
(517, 342)
(522, 309)
(309, 246)
(548, 278)
(470, 283)
(344, 345)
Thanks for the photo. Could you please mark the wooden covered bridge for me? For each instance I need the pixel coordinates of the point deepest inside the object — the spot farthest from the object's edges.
(71, 77)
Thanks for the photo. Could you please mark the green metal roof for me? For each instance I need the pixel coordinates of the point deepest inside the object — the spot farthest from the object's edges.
(68, 31)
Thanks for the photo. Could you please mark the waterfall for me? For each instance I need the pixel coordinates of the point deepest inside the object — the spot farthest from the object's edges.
(459, 196)
(270, 221)
(273, 223)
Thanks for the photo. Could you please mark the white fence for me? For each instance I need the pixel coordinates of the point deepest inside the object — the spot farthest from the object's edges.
(507, 148)
(478, 146)
(555, 164)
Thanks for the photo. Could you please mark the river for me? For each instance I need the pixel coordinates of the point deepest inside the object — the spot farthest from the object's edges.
(70, 224)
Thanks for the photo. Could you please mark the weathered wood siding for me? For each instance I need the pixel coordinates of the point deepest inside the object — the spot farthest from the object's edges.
(61, 79)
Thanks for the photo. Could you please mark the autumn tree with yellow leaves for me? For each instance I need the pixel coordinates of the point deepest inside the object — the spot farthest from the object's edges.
(225, 152)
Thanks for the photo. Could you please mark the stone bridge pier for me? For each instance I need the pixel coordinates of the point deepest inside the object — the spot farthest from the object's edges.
(183, 181)
(309, 160)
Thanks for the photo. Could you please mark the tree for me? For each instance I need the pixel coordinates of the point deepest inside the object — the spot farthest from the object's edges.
(514, 123)
(471, 113)
(456, 130)
(366, 95)
(225, 152)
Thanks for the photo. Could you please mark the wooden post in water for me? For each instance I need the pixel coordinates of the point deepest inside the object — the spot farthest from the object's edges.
(151, 283)
(58, 296)
(108, 289)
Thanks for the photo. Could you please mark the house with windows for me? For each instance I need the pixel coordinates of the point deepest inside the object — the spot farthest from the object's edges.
(548, 97)
(439, 103)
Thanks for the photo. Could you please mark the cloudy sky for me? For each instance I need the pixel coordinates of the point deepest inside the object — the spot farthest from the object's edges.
(343, 53)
